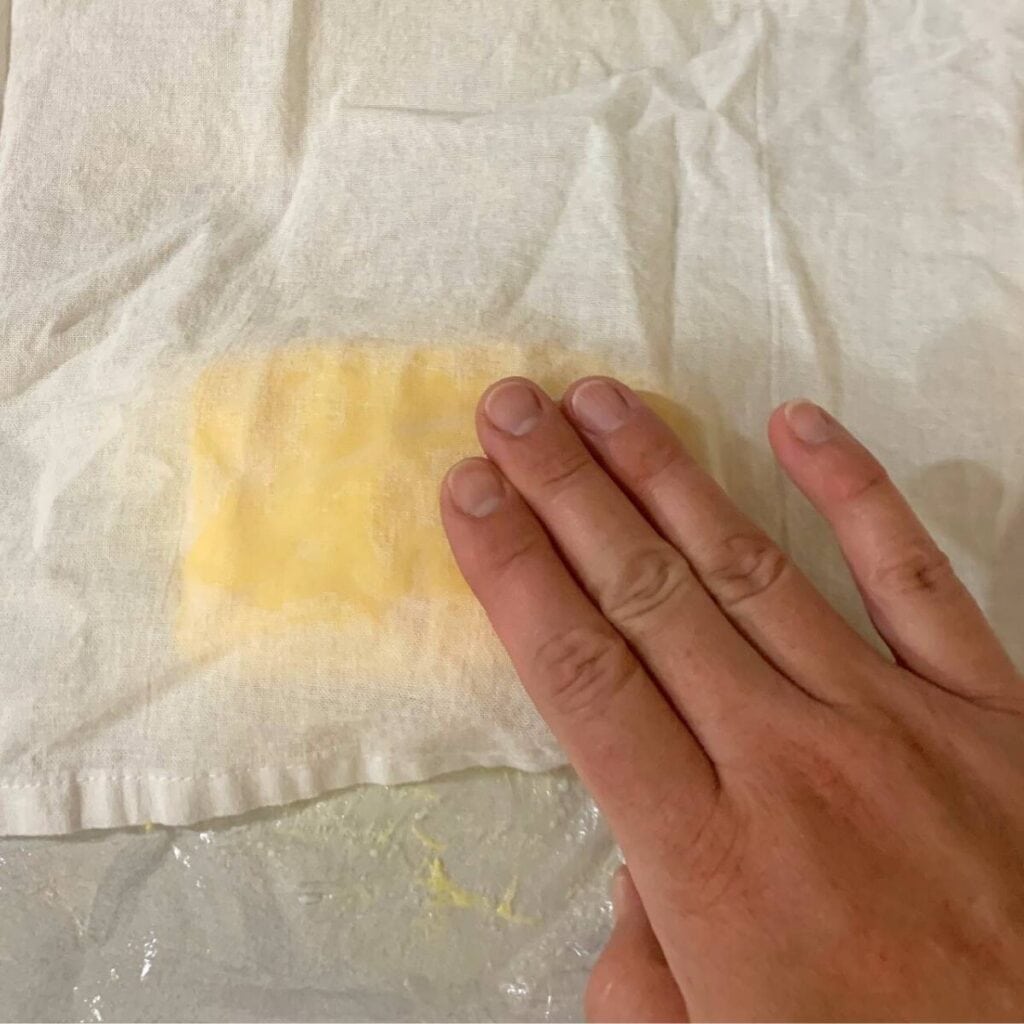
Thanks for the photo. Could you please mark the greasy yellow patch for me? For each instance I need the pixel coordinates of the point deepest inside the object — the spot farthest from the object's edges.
(314, 480)
(445, 892)
(504, 908)
(431, 844)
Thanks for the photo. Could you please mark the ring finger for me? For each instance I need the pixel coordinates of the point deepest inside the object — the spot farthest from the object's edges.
(768, 598)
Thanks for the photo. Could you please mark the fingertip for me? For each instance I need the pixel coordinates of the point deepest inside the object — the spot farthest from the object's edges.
(624, 894)
(785, 445)
(593, 378)
(475, 487)
(809, 423)
(778, 430)
(803, 436)
(502, 382)
(511, 408)
(599, 405)
(778, 414)
(631, 979)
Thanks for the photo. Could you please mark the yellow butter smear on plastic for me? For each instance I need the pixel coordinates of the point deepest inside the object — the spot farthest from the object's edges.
(446, 892)
(315, 475)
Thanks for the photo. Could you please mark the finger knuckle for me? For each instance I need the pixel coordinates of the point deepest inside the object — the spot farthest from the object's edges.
(644, 587)
(654, 463)
(714, 858)
(556, 470)
(506, 558)
(743, 567)
(584, 669)
(865, 482)
(921, 570)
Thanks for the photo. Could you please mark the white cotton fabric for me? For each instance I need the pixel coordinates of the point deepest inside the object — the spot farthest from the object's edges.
(744, 200)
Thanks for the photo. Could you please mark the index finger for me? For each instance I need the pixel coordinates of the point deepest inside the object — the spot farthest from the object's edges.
(635, 754)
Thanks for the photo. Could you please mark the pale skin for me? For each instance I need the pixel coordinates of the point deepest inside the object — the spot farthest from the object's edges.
(812, 830)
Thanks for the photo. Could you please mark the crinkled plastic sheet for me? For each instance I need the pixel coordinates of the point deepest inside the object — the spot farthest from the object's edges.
(479, 896)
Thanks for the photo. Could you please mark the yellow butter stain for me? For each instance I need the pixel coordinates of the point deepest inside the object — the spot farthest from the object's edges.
(504, 908)
(308, 494)
(447, 893)
(427, 841)
(312, 508)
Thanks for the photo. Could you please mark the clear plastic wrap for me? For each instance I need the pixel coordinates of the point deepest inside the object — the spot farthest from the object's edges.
(479, 896)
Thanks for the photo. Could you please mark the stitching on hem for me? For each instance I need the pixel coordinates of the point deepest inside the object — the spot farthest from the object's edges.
(56, 778)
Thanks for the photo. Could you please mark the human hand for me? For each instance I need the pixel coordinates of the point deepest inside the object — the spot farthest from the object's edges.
(812, 830)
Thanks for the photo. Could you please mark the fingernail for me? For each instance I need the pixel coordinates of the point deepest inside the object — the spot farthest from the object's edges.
(809, 422)
(513, 407)
(476, 487)
(599, 406)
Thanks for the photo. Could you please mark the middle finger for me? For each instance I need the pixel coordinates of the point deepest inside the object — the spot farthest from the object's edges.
(762, 592)
(642, 584)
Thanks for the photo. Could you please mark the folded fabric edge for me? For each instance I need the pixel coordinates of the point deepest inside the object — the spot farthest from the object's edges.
(74, 801)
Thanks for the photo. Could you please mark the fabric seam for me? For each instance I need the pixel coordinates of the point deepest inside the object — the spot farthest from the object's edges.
(55, 778)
